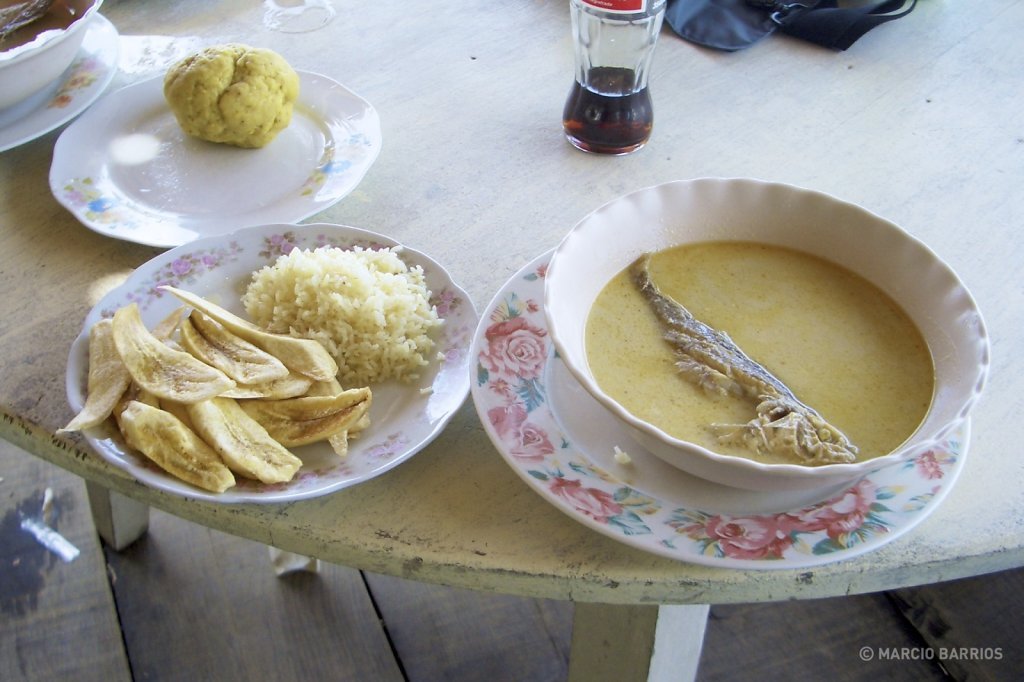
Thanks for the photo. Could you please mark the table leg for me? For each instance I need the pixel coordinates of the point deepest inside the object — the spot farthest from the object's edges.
(290, 562)
(119, 520)
(636, 643)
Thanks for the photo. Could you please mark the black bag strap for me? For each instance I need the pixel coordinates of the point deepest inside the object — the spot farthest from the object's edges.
(835, 27)
(736, 24)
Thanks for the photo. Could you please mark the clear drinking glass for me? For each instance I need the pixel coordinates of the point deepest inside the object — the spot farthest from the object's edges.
(609, 110)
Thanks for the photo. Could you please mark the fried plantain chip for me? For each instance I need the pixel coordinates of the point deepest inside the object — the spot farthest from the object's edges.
(308, 407)
(330, 387)
(209, 341)
(305, 356)
(174, 447)
(161, 370)
(292, 386)
(179, 410)
(242, 443)
(339, 443)
(107, 382)
(164, 329)
(300, 421)
(361, 424)
(134, 393)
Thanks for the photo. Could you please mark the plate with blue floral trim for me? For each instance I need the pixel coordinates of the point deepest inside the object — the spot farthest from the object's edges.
(405, 417)
(575, 455)
(127, 170)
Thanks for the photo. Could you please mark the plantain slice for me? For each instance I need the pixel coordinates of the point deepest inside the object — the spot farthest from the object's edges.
(305, 356)
(361, 424)
(330, 387)
(134, 393)
(339, 443)
(164, 329)
(300, 421)
(209, 341)
(292, 386)
(163, 371)
(107, 382)
(242, 443)
(309, 407)
(179, 410)
(174, 447)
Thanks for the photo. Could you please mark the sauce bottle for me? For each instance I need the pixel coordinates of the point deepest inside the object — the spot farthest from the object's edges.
(609, 110)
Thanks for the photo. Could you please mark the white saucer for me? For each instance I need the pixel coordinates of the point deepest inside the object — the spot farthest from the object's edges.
(78, 87)
(404, 417)
(126, 169)
(562, 443)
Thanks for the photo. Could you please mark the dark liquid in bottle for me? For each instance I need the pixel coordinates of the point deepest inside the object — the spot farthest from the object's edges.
(596, 119)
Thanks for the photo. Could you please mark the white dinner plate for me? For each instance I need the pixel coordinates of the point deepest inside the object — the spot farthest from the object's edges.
(563, 443)
(404, 417)
(80, 85)
(127, 170)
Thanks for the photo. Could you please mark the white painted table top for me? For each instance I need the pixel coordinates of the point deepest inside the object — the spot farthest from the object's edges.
(920, 122)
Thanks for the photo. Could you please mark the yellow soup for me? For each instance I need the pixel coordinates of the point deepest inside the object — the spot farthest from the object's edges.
(837, 341)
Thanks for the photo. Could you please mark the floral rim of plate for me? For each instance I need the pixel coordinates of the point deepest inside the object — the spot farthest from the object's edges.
(215, 266)
(511, 352)
(335, 133)
(92, 70)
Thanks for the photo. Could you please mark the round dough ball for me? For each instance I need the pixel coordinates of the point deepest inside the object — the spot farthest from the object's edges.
(232, 94)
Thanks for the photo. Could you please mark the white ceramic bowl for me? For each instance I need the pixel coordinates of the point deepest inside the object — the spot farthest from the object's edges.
(610, 238)
(27, 69)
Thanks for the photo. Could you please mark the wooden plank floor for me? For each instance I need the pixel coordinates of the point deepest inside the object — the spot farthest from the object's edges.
(188, 603)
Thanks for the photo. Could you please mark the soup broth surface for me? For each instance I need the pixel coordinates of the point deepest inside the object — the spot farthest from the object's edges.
(60, 16)
(838, 342)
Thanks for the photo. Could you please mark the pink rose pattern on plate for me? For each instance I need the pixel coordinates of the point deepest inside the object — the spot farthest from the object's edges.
(513, 351)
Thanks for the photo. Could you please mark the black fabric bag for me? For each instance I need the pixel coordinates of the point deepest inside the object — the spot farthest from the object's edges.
(735, 24)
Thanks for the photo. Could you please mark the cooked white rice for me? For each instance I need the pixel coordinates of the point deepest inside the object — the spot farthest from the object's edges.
(367, 307)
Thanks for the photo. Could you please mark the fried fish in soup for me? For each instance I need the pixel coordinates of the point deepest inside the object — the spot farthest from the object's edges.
(839, 343)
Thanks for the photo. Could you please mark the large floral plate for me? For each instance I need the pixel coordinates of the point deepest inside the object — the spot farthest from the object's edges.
(404, 417)
(79, 86)
(571, 451)
(127, 170)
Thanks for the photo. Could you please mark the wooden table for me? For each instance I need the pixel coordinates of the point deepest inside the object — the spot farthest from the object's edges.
(920, 121)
